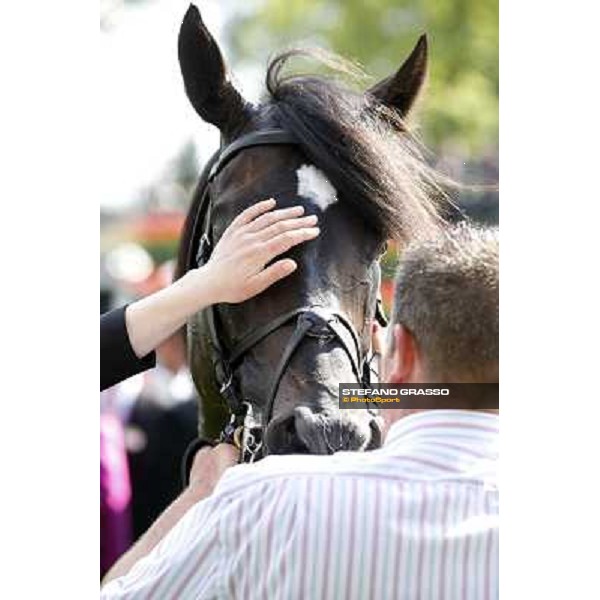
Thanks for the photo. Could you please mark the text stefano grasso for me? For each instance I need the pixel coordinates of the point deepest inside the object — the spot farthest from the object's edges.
(385, 391)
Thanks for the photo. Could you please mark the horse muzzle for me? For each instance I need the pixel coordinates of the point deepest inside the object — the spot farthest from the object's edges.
(309, 432)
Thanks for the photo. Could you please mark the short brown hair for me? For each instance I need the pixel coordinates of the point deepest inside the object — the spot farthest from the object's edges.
(447, 297)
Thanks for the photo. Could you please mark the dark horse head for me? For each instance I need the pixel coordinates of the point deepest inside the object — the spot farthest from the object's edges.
(353, 163)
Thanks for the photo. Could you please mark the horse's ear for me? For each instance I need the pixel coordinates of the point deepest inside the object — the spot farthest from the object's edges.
(400, 91)
(204, 75)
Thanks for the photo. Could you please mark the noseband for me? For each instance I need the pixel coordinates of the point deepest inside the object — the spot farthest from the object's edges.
(246, 428)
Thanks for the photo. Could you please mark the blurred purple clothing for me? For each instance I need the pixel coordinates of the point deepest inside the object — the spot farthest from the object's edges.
(115, 492)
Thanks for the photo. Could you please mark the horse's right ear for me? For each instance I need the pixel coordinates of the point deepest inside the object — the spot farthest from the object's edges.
(204, 75)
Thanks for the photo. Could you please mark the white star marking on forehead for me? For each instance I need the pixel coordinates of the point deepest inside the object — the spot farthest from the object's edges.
(313, 184)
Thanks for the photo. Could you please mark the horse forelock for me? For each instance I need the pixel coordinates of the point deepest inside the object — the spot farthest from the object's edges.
(364, 149)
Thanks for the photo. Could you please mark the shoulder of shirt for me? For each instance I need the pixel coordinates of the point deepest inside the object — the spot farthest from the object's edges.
(278, 468)
(391, 462)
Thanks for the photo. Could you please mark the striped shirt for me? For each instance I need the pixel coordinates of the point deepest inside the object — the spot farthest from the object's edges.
(417, 518)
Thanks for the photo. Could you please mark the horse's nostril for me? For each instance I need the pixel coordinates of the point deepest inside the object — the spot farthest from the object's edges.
(290, 426)
(282, 438)
(376, 426)
(329, 432)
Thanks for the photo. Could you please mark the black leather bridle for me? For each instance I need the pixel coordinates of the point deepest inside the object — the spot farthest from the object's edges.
(245, 429)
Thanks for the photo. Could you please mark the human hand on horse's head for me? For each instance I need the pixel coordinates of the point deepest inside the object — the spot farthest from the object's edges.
(208, 468)
(237, 268)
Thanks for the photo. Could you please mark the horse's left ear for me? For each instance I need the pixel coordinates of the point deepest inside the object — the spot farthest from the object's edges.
(205, 76)
(400, 91)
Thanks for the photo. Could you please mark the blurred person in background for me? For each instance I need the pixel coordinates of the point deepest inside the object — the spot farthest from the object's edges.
(162, 421)
(238, 269)
(116, 528)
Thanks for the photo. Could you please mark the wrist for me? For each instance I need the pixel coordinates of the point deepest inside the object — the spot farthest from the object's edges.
(198, 289)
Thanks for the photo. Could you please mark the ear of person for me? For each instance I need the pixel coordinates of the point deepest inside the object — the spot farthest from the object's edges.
(378, 336)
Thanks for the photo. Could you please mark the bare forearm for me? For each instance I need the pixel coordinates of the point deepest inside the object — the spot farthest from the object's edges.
(153, 319)
(207, 469)
(153, 536)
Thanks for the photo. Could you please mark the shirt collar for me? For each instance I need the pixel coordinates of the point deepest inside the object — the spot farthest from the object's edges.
(464, 428)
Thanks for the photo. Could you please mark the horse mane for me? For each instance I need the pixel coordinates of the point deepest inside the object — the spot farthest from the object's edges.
(364, 148)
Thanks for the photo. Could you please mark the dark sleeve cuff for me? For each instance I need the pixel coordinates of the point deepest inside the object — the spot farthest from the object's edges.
(118, 361)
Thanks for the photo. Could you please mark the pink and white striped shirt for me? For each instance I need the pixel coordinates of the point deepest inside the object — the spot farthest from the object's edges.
(417, 518)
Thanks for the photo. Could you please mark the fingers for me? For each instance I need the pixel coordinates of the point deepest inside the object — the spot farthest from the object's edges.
(265, 220)
(284, 241)
(272, 231)
(208, 467)
(202, 453)
(226, 454)
(221, 455)
(251, 213)
(267, 277)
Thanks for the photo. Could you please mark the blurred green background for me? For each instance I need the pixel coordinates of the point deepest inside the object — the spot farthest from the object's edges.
(460, 108)
(457, 116)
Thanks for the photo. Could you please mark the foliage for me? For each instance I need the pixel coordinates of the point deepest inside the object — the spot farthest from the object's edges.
(460, 108)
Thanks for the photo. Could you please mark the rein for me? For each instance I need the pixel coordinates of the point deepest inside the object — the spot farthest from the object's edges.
(246, 428)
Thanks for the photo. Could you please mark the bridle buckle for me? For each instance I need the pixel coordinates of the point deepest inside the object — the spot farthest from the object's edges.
(248, 436)
(204, 250)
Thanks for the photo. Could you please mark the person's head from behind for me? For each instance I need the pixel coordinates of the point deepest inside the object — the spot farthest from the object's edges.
(445, 319)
